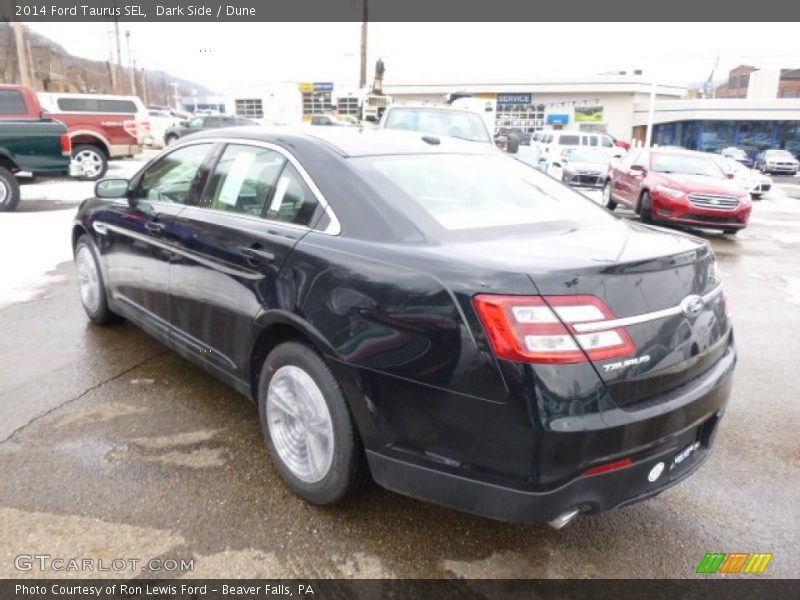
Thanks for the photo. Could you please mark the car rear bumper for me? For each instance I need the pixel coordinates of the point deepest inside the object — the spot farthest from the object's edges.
(688, 419)
(124, 150)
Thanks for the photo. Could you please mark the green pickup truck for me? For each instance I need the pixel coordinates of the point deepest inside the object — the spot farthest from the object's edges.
(28, 142)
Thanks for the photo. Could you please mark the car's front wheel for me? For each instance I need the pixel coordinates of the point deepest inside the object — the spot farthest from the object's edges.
(90, 283)
(608, 200)
(646, 207)
(171, 139)
(307, 425)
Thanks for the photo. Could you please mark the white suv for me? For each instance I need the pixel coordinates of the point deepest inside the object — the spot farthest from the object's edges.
(553, 143)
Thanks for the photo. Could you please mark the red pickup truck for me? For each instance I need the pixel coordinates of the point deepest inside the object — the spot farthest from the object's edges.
(100, 127)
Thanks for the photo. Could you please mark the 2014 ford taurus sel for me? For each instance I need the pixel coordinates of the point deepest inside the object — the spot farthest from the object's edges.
(423, 309)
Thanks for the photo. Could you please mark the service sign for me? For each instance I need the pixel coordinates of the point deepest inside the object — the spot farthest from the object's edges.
(323, 86)
(514, 98)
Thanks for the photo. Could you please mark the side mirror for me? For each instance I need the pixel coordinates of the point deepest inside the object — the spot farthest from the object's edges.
(730, 175)
(111, 188)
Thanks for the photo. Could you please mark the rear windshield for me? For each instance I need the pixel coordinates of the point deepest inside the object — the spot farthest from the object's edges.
(685, 164)
(96, 105)
(453, 123)
(12, 103)
(468, 192)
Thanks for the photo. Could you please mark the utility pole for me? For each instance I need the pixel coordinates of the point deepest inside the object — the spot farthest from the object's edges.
(176, 97)
(144, 87)
(648, 136)
(362, 80)
(111, 68)
(119, 57)
(131, 62)
(22, 60)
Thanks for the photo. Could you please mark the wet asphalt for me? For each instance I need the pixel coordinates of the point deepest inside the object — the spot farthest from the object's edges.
(112, 446)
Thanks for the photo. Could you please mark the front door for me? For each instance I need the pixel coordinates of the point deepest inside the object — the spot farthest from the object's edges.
(138, 253)
(255, 207)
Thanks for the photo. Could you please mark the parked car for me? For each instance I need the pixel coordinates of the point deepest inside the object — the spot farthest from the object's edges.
(29, 142)
(553, 143)
(737, 154)
(202, 123)
(777, 161)
(101, 127)
(160, 122)
(331, 120)
(443, 120)
(670, 185)
(523, 136)
(460, 325)
(584, 167)
(751, 180)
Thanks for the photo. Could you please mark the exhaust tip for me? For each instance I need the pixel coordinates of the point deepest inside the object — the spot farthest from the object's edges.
(564, 518)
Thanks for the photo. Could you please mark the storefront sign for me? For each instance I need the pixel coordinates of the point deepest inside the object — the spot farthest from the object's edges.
(514, 98)
(557, 119)
(588, 114)
(323, 86)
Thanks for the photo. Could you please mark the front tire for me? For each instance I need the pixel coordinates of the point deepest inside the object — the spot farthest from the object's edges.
(9, 191)
(646, 208)
(91, 160)
(170, 139)
(608, 199)
(307, 426)
(90, 283)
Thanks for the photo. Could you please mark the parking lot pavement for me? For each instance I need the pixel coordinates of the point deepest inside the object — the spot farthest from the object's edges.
(112, 446)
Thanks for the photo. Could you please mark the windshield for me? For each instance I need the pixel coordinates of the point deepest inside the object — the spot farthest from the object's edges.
(466, 192)
(453, 123)
(779, 154)
(685, 164)
(588, 156)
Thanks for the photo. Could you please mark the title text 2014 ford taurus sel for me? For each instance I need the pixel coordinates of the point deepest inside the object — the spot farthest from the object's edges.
(433, 312)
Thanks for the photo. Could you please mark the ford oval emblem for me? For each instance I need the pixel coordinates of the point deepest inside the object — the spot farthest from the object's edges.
(691, 306)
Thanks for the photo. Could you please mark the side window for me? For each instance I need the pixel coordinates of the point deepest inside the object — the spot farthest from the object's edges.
(293, 201)
(628, 159)
(243, 179)
(606, 142)
(593, 140)
(213, 122)
(196, 122)
(172, 177)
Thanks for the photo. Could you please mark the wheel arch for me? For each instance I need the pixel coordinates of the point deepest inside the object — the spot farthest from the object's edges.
(90, 138)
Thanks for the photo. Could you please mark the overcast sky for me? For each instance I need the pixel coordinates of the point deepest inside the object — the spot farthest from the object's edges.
(226, 55)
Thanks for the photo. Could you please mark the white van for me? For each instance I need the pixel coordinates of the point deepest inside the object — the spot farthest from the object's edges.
(553, 143)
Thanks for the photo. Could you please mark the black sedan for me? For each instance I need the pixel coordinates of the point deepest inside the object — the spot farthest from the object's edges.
(202, 123)
(430, 311)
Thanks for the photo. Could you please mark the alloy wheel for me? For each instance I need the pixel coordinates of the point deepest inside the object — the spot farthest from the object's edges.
(300, 424)
(88, 279)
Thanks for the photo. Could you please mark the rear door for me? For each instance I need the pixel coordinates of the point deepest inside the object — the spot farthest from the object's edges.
(255, 207)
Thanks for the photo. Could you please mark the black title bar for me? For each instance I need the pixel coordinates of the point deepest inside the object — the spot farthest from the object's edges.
(406, 10)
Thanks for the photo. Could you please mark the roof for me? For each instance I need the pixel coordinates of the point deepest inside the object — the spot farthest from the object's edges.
(353, 141)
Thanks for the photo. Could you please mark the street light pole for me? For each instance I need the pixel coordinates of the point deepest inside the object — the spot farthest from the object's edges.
(362, 79)
(131, 62)
(648, 136)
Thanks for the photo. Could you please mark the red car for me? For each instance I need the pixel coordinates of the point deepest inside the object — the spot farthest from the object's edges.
(676, 185)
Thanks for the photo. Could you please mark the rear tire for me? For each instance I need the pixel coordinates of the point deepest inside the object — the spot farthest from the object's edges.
(91, 160)
(608, 199)
(9, 191)
(646, 207)
(170, 139)
(307, 426)
(90, 283)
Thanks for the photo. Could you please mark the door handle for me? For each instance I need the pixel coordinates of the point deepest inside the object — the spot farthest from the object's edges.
(256, 254)
(155, 227)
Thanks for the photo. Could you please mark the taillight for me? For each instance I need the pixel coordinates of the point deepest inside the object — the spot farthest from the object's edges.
(540, 328)
(608, 467)
(66, 145)
(131, 128)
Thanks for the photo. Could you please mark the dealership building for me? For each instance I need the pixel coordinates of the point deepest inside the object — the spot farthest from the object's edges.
(596, 103)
